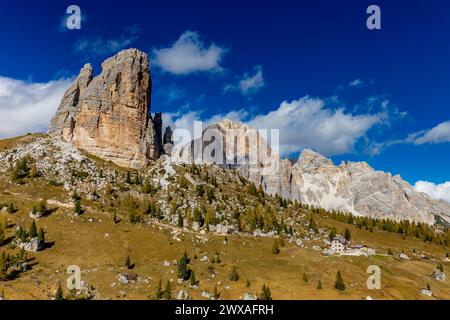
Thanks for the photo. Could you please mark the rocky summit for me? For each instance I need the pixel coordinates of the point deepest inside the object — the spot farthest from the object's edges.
(108, 115)
(313, 179)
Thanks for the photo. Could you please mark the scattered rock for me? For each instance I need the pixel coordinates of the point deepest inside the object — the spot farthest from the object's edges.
(426, 292)
(403, 256)
(438, 275)
(249, 296)
(126, 278)
(182, 295)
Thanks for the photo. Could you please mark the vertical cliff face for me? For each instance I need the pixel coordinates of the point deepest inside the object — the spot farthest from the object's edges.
(108, 115)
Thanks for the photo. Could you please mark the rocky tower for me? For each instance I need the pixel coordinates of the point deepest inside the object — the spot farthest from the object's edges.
(108, 115)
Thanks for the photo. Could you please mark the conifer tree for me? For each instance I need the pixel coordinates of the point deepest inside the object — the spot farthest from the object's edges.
(339, 283)
(167, 293)
(305, 277)
(192, 280)
(183, 269)
(41, 235)
(128, 263)
(216, 294)
(11, 208)
(2, 234)
(159, 292)
(332, 234)
(347, 235)
(77, 207)
(180, 220)
(266, 294)
(319, 285)
(33, 230)
(234, 276)
(59, 295)
(275, 247)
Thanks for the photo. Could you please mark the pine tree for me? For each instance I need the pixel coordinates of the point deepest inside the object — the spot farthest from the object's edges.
(192, 280)
(41, 235)
(216, 294)
(275, 247)
(332, 234)
(128, 263)
(216, 258)
(2, 234)
(59, 295)
(21, 234)
(347, 235)
(77, 207)
(167, 293)
(319, 285)
(234, 276)
(33, 230)
(159, 292)
(128, 178)
(11, 208)
(183, 269)
(248, 283)
(339, 283)
(180, 220)
(305, 277)
(266, 294)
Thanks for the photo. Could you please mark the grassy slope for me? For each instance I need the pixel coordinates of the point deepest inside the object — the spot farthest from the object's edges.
(100, 247)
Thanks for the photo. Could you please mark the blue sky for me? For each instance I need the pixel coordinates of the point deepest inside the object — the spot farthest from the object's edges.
(311, 68)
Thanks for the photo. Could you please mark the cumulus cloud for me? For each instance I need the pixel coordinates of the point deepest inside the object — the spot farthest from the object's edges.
(438, 134)
(307, 123)
(98, 47)
(249, 84)
(190, 54)
(303, 123)
(28, 107)
(435, 191)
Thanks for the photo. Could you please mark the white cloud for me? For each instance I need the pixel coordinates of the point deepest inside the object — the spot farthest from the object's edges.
(438, 134)
(307, 123)
(181, 120)
(249, 84)
(28, 107)
(189, 54)
(303, 123)
(356, 83)
(435, 191)
(95, 47)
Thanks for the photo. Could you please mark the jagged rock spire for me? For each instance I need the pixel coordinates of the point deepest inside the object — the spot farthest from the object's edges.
(108, 115)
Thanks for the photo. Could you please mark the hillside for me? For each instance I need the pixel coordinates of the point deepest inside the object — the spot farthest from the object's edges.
(96, 214)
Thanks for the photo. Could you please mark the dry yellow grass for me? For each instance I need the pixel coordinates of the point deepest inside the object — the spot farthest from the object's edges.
(100, 248)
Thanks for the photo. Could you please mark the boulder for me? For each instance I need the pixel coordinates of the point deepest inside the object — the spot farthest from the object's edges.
(32, 245)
